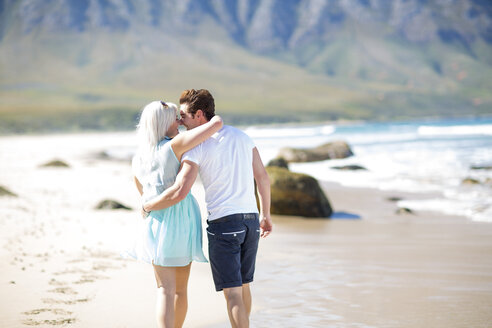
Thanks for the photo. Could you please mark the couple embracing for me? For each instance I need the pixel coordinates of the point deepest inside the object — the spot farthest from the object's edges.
(165, 167)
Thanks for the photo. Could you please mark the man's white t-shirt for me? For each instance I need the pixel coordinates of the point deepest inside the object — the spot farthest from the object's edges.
(225, 163)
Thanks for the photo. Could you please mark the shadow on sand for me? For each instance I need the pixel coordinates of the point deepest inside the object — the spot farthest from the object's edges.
(344, 216)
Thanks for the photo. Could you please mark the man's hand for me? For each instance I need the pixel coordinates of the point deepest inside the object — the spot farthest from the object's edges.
(178, 191)
(266, 226)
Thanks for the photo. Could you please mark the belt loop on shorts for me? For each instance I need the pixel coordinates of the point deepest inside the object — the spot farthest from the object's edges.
(233, 217)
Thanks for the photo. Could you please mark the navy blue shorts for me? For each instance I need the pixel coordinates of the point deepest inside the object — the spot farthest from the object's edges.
(232, 246)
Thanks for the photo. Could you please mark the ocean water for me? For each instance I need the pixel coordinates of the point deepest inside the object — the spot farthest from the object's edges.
(425, 156)
(419, 157)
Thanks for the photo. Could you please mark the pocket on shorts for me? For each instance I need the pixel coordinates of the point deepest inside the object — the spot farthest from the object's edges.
(233, 235)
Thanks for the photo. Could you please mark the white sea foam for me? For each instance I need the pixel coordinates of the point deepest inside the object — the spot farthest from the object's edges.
(457, 130)
(282, 132)
(412, 158)
(474, 210)
(365, 139)
(446, 206)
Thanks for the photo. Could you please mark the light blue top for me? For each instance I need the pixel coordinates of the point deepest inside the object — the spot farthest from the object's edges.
(162, 172)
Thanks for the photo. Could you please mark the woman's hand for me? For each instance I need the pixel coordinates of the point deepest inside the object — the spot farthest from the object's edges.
(143, 212)
(217, 119)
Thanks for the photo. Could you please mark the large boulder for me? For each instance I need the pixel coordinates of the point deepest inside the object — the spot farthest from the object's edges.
(279, 162)
(331, 150)
(297, 194)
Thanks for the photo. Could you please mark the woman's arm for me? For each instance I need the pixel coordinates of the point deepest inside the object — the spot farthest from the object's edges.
(139, 185)
(192, 138)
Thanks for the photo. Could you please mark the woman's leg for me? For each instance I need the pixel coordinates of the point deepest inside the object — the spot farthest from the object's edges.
(181, 299)
(166, 289)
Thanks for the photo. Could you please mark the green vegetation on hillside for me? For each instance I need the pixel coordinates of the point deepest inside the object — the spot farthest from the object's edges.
(96, 80)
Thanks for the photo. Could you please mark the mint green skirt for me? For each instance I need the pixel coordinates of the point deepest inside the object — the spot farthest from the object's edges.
(171, 237)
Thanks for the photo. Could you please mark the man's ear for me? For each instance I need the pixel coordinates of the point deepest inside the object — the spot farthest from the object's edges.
(199, 113)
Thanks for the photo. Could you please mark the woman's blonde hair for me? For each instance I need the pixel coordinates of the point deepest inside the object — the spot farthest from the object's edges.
(155, 120)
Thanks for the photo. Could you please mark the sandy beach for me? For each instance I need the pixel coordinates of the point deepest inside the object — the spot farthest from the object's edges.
(61, 264)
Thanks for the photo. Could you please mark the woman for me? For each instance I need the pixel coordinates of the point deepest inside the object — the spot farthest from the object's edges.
(172, 237)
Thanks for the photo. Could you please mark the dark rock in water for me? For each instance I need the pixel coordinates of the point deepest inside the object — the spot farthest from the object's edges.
(394, 199)
(404, 210)
(102, 155)
(470, 181)
(349, 168)
(336, 149)
(117, 156)
(297, 194)
(279, 162)
(5, 192)
(480, 167)
(55, 163)
(109, 204)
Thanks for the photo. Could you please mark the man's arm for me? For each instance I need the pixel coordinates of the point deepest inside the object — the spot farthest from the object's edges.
(178, 191)
(263, 185)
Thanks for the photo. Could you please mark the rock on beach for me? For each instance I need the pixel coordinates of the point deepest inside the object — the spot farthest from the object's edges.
(352, 167)
(5, 192)
(55, 163)
(297, 194)
(109, 204)
(279, 162)
(331, 150)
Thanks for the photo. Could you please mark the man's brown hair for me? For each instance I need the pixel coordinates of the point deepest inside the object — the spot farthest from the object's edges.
(198, 99)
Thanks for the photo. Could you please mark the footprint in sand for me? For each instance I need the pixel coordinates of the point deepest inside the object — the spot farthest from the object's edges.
(38, 317)
(54, 282)
(84, 269)
(66, 302)
(71, 271)
(90, 278)
(103, 266)
(63, 290)
(54, 311)
(56, 322)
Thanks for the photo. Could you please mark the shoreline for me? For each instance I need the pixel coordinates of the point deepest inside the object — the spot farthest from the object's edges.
(62, 264)
(259, 124)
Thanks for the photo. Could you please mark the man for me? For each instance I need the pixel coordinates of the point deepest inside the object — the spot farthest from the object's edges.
(228, 163)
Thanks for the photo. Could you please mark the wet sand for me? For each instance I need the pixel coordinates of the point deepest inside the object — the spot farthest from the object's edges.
(384, 270)
(61, 264)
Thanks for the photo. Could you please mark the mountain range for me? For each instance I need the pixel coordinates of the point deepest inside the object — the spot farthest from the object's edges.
(83, 64)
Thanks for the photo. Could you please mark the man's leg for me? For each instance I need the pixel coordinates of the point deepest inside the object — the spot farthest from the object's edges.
(247, 298)
(248, 260)
(224, 249)
(238, 315)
